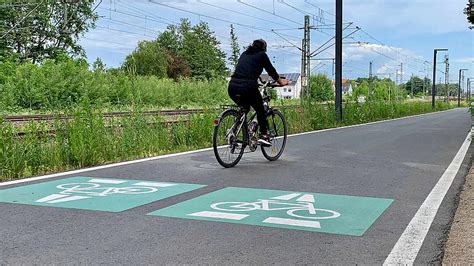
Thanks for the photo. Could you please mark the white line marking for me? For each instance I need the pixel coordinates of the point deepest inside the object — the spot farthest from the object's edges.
(106, 181)
(293, 222)
(408, 245)
(24, 180)
(220, 215)
(154, 184)
(306, 198)
(287, 197)
(68, 199)
(52, 197)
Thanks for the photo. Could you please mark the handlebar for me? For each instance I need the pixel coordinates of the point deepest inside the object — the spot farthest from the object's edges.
(267, 83)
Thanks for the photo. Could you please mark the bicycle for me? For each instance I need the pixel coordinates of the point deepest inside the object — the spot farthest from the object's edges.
(233, 134)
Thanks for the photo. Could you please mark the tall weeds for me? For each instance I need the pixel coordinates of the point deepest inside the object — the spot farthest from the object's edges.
(89, 139)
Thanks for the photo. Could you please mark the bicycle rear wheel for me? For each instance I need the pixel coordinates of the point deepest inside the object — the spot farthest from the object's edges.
(229, 140)
(278, 134)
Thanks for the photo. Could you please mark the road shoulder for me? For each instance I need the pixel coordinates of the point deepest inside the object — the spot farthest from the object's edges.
(459, 248)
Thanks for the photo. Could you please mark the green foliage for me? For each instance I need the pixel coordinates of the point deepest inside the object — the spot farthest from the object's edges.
(321, 88)
(418, 85)
(380, 90)
(452, 89)
(64, 83)
(90, 139)
(360, 89)
(40, 30)
(235, 53)
(147, 59)
(198, 47)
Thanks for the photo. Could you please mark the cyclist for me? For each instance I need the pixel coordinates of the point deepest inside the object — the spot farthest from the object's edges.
(243, 86)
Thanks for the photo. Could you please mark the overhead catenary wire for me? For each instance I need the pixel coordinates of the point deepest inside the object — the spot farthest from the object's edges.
(274, 14)
(259, 28)
(23, 18)
(240, 13)
(138, 10)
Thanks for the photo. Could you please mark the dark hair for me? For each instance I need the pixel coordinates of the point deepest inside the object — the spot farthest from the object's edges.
(258, 45)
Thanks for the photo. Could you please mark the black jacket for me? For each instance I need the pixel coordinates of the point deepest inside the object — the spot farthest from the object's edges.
(250, 67)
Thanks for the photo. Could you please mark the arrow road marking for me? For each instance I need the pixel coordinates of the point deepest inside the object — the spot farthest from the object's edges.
(287, 197)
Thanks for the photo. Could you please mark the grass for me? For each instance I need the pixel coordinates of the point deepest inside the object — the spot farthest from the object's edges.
(88, 139)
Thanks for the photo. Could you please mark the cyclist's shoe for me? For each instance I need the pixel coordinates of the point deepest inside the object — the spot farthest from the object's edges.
(264, 140)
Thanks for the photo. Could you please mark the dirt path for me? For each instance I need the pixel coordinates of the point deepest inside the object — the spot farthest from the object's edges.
(460, 245)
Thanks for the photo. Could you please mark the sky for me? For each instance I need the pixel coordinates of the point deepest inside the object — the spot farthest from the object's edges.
(398, 36)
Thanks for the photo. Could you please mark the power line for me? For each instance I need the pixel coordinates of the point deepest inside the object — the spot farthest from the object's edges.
(23, 18)
(138, 10)
(124, 31)
(207, 16)
(111, 42)
(240, 13)
(136, 16)
(263, 10)
(131, 25)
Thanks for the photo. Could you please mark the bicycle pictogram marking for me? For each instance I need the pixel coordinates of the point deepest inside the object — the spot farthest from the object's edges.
(103, 194)
(275, 204)
(89, 190)
(337, 214)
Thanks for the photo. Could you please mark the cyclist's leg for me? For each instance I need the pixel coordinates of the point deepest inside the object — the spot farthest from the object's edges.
(240, 96)
(256, 102)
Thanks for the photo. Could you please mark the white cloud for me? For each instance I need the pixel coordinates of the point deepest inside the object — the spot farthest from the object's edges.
(408, 17)
(464, 60)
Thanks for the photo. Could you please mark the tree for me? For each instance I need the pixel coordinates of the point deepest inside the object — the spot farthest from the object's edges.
(321, 88)
(197, 46)
(469, 12)
(418, 85)
(177, 66)
(36, 30)
(361, 89)
(98, 65)
(235, 50)
(147, 59)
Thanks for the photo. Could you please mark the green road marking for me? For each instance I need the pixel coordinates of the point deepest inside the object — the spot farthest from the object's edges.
(336, 214)
(90, 193)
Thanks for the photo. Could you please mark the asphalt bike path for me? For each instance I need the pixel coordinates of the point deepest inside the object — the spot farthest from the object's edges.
(338, 196)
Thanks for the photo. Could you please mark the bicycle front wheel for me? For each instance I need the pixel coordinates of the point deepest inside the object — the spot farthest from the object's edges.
(278, 133)
(229, 139)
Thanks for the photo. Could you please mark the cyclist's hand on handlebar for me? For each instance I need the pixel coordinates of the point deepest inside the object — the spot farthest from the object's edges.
(282, 81)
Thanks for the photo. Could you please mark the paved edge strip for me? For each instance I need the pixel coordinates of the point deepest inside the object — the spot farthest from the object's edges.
(24, 180)
(409, 244)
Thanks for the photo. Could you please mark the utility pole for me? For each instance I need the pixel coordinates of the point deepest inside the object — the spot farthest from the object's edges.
(433, 90)
(446, 77)
(459, 88)
(305, 60)
(401, 73)
(468, 89)
(338, 51)
(468, 97)
(370, 81)
(412, 84)
(423, 84)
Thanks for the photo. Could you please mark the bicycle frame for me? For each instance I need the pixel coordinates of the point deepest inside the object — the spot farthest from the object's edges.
(95, 189)
(265, 205)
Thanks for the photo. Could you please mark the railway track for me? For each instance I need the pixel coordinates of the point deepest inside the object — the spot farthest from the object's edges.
(48, 117)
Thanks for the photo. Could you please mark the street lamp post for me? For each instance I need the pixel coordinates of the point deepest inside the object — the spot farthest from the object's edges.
(468, 89)
(338, 60)
(433, 90)
(459, 88)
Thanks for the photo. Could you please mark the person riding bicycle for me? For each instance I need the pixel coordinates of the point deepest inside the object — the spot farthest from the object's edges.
(243, 86)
